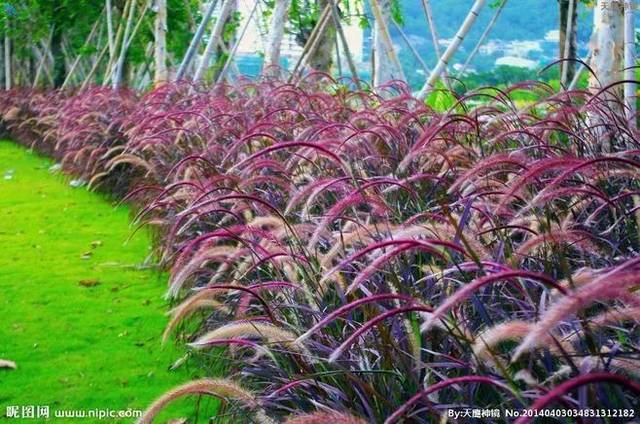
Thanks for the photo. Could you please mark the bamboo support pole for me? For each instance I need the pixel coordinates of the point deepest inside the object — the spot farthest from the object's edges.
(386, 39)
(345, 43)
(451, 49)
(234, 50)
(216, 37)
(195, 41)
(79, 56)
(312, 41)
(483, 37)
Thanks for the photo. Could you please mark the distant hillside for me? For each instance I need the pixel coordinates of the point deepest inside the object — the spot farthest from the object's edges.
(523, 35)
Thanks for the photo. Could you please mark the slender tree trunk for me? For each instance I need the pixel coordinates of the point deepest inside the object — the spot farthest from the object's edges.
(345, 43)
(161, 73)
(228, 6)
(225, 44)
(111, 40)
(387, 65)
(59, 65)
(119, 65)
(607, 45)
(568, 40)
(630, 60)
(276, 32)
(321, 58)
(7, 62)
(426, 5)
(451, 50)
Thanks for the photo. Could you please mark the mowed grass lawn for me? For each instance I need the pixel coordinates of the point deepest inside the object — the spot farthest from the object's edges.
(78, 315)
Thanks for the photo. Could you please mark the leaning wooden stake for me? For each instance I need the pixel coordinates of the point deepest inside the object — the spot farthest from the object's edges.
(581, 68)
(483, 37)
(345, 43)
(233, 51)
(94, 68)
(79, 56)
(126, 43)
(312, 41)
(387, 67)
(119, 65)
(112, 58)
(426, 6)
(415, 52)
(216, 34)
(630, 61)
(195, 41)
(451, 50)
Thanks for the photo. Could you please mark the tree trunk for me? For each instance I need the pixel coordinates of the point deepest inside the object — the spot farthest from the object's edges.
(161, 73)
(630, 60)
(2, 60)
(276, 32)
(119, 65)
(111, 41)
(123, 67)
(451, 50)
(79, 56)
(607, 46)
(59, 66)
(224, 46)
(321, 58)
(195, 41)
(387, 66)
(568, 40)
(228, 6)
(230, 58)
(345, 43)
(7, 62)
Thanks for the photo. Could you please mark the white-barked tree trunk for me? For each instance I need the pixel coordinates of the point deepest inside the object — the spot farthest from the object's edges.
(161, 72)
(276, 32)
(607, 45)
(387, 65)
(630, 60)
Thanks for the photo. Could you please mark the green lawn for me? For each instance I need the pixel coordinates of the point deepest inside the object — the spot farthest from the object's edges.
(77, 346)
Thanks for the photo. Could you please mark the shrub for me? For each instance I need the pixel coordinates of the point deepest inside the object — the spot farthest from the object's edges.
(362, 254)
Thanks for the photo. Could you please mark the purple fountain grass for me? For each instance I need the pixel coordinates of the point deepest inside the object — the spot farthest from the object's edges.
(334, 216)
